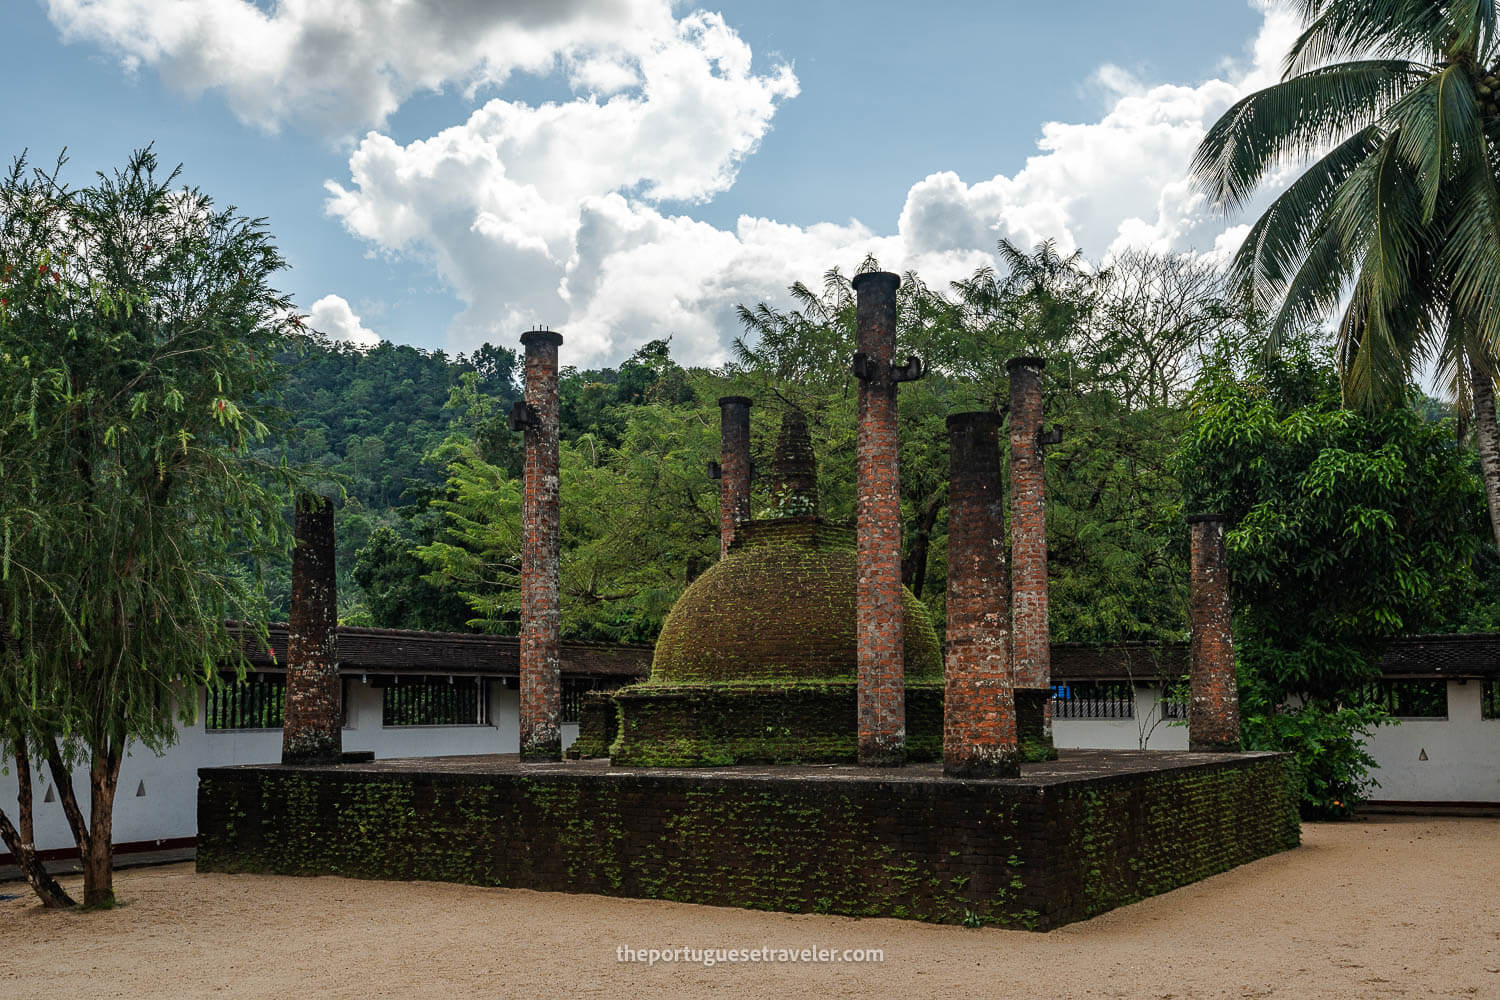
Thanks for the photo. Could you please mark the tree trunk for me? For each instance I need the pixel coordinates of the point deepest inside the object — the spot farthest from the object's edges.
(25, 797)
(1488, 435)
(62, 778)
(914, 566)
(22, 843)
(98, 860)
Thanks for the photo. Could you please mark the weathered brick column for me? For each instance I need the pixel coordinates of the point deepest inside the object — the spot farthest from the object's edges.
(541, 547)
(1031, 650)
(979, 711)
(734, 467)
(311, 732)
(1214, 714)
(878, 609)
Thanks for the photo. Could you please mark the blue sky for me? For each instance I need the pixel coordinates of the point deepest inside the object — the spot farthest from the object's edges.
(442, 174)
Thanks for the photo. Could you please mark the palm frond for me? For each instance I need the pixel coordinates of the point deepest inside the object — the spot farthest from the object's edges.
(1345, 29)
(1473, 24)
(1280, 242)
(1470, 254)
(1297, 117)
(1435, 125)
(1315, 288)
(1013, 257)
(1373, 345)
(1453, 371)
(1376, 214)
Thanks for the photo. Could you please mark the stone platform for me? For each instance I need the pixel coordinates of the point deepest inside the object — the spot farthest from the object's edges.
(1068, 839)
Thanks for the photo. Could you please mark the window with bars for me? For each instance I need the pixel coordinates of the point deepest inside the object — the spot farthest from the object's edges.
(257, 702)
(1093, 700)
(435, 701)
(1172, 706)
(1410, 697)
(1489, 698)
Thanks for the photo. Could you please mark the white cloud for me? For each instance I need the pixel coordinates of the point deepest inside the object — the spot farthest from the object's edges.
(560, 214)
(339, 65)
(551, 214)
(532, 212)
(333, 315)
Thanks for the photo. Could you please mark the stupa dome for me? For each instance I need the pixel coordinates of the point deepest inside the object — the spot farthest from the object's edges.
(780, 606)
(757, 660)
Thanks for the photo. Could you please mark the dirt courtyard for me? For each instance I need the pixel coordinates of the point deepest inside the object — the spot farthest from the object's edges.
(1379, 908)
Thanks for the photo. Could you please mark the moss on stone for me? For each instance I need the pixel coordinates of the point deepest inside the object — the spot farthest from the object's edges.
(1013, 853)
(598, 725)
(766, 722)
(780, 606)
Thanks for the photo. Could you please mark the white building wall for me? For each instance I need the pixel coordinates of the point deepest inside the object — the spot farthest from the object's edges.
(1462, 754)
(1462, 751)
(1147, 731)
(1462, 765)
(168, 809)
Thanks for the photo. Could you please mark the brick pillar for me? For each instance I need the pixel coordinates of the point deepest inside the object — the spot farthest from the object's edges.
(878, 613)
(1031, 644)
(1214, 715)
(979, 711)
(794, 469)
(734, 467)
(541, 545)
(312, 732)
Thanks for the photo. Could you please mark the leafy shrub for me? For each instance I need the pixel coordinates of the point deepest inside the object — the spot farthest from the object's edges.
(1328, 746)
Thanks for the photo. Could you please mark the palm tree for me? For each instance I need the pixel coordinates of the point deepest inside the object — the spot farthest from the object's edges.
(1400, 102)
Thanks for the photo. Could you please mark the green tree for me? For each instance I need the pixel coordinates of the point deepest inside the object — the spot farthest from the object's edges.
(1119, 343)
(367, 418)
(1347, 529)
(393, 580)
(139, 334)
(639, 514)
(1400, 99)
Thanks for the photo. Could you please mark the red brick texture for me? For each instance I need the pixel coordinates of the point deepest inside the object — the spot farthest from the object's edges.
(1214, 712)
(312, 733)
(979, 711)
(734, 466)
(541, 543)
(1031, 665)
(878, 607)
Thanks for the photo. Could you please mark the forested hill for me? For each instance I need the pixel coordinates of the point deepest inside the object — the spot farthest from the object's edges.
(365, 420)
(374, 424)
(369, 416)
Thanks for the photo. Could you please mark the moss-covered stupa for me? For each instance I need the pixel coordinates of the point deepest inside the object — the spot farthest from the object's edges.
(756, 662)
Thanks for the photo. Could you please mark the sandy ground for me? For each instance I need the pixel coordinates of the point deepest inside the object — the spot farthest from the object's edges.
(1383, 908)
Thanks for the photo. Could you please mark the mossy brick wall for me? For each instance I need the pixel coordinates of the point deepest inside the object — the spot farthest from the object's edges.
(780, 605)
(1014, 853)
(598, 725)
(1032, 714)
(808, 722)
(1116, 840)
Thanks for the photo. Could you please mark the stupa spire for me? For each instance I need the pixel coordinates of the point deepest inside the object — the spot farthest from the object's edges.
(794, 469)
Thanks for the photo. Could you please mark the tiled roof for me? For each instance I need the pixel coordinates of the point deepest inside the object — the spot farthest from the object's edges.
(383, 650)
(1474, 654)
(1141, 661)
(1461, 654)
